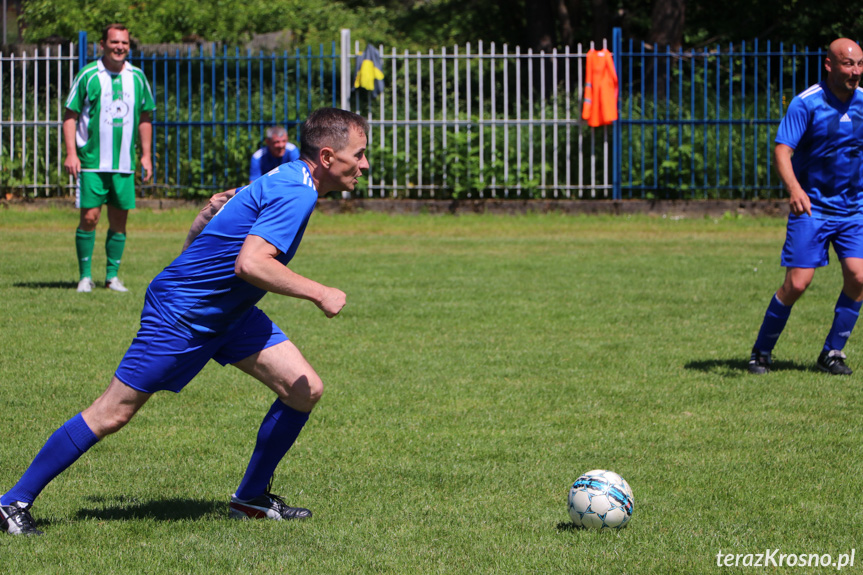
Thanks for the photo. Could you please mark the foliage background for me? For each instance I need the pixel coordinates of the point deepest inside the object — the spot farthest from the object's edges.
(415, 24)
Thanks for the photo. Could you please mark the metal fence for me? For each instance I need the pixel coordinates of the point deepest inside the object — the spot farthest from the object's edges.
(477, 121)
(33, 88)
(213, 106)
(215, 103)
(483, 121)
(701, 124)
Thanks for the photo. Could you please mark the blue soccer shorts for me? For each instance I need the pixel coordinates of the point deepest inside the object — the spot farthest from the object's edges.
(163, 357)
(807, 241)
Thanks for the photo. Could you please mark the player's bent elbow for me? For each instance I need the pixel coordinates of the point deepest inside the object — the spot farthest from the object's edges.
(243, 268)
(238, 270)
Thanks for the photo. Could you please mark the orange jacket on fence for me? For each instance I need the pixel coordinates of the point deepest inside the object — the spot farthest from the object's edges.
(600, 89)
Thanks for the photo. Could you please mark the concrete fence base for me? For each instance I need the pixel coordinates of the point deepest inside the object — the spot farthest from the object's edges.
(659, 208)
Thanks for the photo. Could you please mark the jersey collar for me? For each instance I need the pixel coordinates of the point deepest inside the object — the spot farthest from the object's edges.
(101, 67)
(835, 101)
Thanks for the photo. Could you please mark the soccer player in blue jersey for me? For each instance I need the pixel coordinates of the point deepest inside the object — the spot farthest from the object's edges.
(276, 151)
(202, 307)
(819, 157)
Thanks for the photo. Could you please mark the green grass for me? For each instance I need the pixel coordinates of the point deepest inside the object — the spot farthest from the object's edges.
(481, 364)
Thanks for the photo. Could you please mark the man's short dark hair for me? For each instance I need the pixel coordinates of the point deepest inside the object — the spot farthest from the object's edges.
(329, 128)
(114, 26)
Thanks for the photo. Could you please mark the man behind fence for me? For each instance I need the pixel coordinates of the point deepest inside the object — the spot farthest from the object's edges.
(108, 106)
(276, 151)
(818, 152)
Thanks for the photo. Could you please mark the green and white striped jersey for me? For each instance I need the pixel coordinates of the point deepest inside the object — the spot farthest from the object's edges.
(109, 109)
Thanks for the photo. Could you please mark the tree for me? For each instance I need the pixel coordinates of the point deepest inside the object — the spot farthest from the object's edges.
(601, 28)
(541, 25)
(666, 23)
(423, 24)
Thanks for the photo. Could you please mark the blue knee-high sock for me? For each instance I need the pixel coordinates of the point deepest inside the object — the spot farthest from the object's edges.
(62, 449)
(774, 322)
(847, 311)
(277, 434)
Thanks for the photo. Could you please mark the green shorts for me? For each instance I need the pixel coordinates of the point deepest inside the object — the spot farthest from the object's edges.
(97, 188)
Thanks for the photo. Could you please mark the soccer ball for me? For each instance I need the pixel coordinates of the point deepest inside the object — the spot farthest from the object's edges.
(600, 499)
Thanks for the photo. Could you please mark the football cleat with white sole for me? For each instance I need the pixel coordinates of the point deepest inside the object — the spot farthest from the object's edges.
(267, 506)
(86, 285)
(833, 362)
(15, 519)
(116, 285)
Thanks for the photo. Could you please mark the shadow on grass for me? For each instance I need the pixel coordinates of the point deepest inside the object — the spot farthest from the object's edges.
(46, 285)
(113, 509)
(569, 526)
(738, 367)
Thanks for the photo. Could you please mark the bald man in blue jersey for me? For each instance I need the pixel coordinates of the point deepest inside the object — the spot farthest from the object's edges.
(203, 306)
(819, 157)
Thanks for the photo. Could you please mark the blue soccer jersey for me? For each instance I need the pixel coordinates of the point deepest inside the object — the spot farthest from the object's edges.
(263, 161)
(199, 290)
(826, 135)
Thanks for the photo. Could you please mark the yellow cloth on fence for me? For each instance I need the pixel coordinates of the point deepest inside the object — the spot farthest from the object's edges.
(370, 76)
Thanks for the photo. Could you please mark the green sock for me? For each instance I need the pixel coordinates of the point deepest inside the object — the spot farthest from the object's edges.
(114, 245)
(84, 242)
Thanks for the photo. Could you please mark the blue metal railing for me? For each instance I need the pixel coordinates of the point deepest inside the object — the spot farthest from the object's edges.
(692, 123)
(700, 123)
(213, 106)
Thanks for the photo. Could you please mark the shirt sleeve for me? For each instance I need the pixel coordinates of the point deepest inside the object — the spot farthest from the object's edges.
(255, 167)
(793, 124)
(285, 210)
(293, 152)
(77, 95)
(148, 101)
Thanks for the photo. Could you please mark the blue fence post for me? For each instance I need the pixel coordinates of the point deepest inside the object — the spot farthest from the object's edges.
(82, 49)
(616, 150)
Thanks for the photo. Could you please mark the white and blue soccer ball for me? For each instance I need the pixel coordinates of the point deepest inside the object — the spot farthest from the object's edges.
(600, 499)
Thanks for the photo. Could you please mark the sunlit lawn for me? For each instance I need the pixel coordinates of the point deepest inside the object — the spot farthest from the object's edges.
(482, 363)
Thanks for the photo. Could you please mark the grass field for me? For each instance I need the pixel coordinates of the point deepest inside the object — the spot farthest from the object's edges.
(482, 363)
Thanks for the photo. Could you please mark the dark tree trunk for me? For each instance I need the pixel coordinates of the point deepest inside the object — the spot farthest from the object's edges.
(600, 22)
(666, 23)
(540, 25)
(567, 35)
